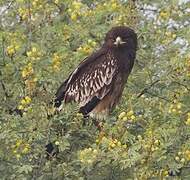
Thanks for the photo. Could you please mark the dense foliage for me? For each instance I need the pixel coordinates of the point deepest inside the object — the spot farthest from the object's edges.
(148, 134)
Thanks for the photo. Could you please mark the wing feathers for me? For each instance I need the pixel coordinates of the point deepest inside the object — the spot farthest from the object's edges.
(90, 81)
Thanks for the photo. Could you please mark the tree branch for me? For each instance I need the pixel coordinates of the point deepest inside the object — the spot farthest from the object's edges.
(145, 90)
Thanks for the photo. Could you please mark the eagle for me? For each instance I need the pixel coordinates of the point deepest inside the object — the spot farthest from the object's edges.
(98, 81)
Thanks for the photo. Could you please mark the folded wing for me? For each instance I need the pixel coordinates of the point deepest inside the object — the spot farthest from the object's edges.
(90, 81)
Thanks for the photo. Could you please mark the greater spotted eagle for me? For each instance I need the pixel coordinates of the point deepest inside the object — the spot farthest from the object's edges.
(98, 81)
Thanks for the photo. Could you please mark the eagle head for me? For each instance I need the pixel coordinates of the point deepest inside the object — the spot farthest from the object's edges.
(121, 37)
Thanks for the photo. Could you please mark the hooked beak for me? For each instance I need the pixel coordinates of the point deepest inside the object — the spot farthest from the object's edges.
(119, 41)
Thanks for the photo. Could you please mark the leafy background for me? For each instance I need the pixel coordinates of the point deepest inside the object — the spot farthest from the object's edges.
(148, 134)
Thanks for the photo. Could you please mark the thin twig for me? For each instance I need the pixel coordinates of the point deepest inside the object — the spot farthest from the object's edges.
(185, 86)
(8, 7)
(145, 90)
(155, 95)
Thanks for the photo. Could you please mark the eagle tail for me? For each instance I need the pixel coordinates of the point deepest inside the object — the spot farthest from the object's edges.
(89, 106)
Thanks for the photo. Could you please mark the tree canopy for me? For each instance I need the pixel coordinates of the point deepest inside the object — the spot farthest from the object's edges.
(148, 134)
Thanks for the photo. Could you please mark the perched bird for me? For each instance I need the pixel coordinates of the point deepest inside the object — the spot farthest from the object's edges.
(98, 82)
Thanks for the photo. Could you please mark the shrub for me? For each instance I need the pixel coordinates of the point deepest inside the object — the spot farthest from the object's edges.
(146, 137)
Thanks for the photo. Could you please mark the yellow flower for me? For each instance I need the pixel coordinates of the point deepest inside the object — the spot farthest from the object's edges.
(10, 50)
(168, 33)
(124, 146)
(177, 158)
(29, 53)
(34, 49)
(133, 117)
(118, 143)
(18, 156)
(114, 6)
(179, 153)
(56, 62)
(74, 16)
(88, 155)
(112, 145)
(165, 173)
(20, 1)
(56, 1)
(164, 14)
(57, 143)
(23, 102)
(20, 107)
(174, 36)
(27, 71)
(18, 143)
(125, 118)
(121, 115)
(157, 142)
(26, 150)
(27, 100)
(179, 106)
(182, 160)
(89, 161)
(77, 5)
(69, 10)
(174, 110)
(188, 122)
(130, 113)
(139, 137)
(187, 155)
(23, 13)
(79, 115)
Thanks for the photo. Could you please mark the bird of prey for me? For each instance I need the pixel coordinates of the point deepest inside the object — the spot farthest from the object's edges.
(98, 81)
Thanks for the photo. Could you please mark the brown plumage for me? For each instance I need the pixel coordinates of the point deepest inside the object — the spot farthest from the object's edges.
(98, 82)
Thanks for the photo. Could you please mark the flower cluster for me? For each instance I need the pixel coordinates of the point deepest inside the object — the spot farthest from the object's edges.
(88, 155)
(23, 13)
(36, 4)
(164, 14)
(113, 5)
(169, 36)
(27, 70)
(56, 62)
(151, 143)
(188, 119)
(124, 116)
(28, 76)
(34, 53)
(175, 107)
(14, 40)
(75, 10)
(88, 47)
(26, 12)
(115, 143)
(11, 50)
(110, 143)
(20, 148)
(24, 103)
(120, 19)
(183, 156)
